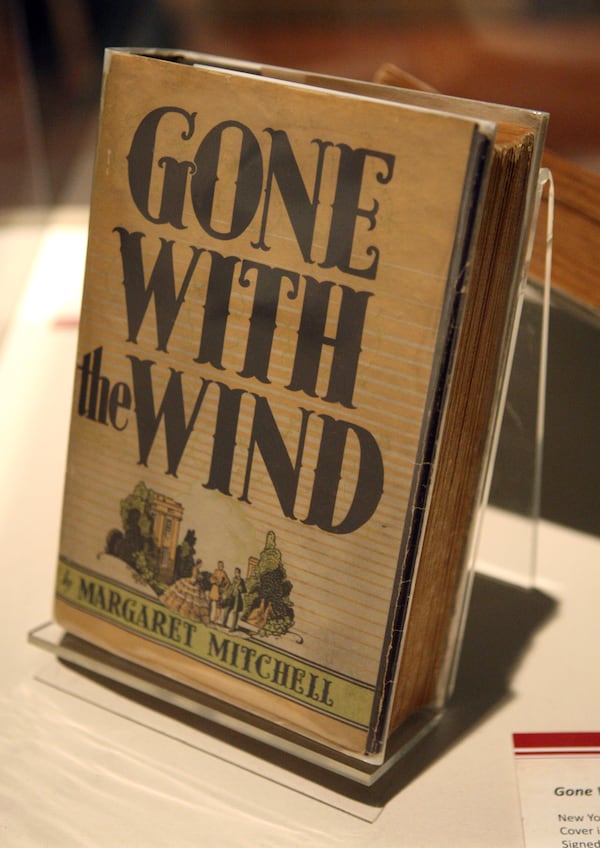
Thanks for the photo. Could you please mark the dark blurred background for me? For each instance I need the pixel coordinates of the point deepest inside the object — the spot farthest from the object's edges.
(542, 54)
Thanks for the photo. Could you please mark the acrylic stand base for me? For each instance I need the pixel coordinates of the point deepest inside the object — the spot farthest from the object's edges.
(207, 713)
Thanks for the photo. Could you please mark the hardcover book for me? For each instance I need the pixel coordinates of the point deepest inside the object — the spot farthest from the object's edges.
(298, 297)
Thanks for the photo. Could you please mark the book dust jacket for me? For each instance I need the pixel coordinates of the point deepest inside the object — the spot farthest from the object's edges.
(272, 274)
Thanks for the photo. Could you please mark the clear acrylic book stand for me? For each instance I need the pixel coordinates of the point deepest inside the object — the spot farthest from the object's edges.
(510, 557)
(515, 477)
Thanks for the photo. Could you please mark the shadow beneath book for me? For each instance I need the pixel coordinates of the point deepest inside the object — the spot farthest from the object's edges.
(503, 618)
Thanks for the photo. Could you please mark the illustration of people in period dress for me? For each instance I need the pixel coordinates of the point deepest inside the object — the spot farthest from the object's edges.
(234, 601)
(219, 584)
(187, 597)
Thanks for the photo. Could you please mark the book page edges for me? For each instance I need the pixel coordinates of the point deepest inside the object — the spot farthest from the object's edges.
(432, 431)
(451, 583)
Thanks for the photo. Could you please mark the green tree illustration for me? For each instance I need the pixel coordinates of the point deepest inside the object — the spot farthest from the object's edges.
(268, 591)
(135, 543)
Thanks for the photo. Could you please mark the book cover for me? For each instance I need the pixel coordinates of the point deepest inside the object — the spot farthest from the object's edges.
(273, 290)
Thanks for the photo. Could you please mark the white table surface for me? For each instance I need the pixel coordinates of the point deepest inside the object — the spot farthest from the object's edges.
(73, 773)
